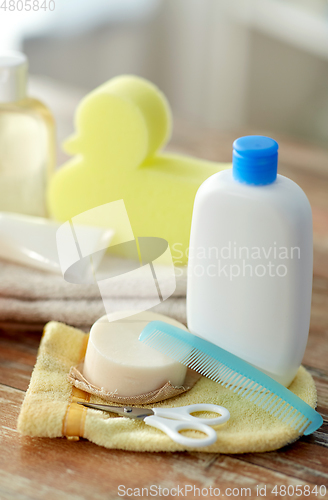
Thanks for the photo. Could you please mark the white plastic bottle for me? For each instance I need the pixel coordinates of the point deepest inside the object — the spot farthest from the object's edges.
(251, 261)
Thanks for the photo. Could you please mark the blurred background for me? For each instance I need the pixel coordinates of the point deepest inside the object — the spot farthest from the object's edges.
(227, 65)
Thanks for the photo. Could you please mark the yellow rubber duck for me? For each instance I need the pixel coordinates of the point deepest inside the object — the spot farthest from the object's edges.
(121, 128)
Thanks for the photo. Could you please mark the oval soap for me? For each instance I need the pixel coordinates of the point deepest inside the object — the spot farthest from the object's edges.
(116, 361)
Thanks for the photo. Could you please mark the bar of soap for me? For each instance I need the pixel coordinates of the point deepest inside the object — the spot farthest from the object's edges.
(116, 361)
(121, 128)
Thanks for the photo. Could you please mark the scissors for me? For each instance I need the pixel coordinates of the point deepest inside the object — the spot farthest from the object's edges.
(173, 420)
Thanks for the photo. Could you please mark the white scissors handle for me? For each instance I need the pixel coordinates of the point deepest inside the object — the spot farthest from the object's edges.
(173, 420)
(173, 427)
(184, 413)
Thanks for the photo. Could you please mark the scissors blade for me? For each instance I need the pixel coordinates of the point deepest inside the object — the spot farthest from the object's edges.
(124, 411)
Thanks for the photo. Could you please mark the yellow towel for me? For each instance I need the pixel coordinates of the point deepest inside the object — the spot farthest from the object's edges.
(50, 409)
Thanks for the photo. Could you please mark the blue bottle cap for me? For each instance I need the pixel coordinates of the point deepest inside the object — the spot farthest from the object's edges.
(255, 160)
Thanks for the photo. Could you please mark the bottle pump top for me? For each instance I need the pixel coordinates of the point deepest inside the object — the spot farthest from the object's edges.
(13, 76)
(255, 160)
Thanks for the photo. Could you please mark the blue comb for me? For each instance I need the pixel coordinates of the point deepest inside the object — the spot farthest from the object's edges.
(232, 372)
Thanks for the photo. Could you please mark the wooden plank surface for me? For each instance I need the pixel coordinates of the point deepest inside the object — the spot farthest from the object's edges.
(59, 469)
(44, 468)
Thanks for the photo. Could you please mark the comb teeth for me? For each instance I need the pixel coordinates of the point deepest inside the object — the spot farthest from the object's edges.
(233, 373)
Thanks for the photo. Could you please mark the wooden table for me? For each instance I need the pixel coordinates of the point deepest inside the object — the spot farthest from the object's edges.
(56, 469)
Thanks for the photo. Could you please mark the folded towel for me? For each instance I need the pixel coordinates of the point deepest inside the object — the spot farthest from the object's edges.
(50, 409)
(33, 296)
